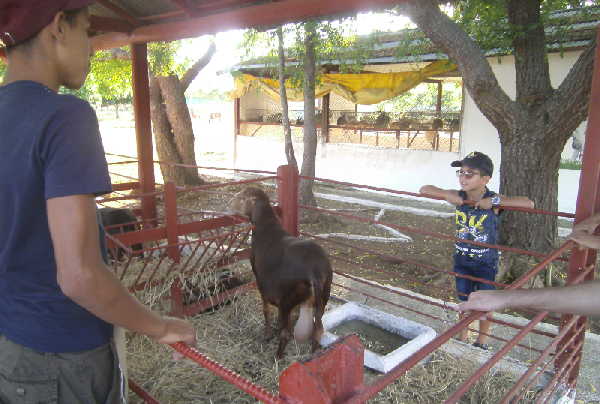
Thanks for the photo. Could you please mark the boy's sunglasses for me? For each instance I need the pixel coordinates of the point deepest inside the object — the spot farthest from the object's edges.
(467, 174)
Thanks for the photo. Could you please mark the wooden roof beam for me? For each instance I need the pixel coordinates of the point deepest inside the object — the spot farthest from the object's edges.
(183, 5)
(104, 24)
(120, 12)
(268, 14)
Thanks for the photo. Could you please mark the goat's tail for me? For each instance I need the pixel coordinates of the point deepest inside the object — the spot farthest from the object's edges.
(304, 326)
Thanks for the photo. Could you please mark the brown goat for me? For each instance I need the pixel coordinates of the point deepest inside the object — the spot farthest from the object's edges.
(289, 272)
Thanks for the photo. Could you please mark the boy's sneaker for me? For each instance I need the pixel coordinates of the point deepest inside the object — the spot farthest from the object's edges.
(485, 347)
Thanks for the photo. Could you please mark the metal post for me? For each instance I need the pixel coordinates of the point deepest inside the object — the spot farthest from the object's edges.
(236, 126)
(287, 192)
(332, 377)
(171, 221)
(438, 107)
(325, 124)
(143, 129)
(588, 203)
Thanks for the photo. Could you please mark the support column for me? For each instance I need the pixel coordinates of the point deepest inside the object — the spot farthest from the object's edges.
(143, 128)
(588, 203)
(287, 193)
(325, 123)
(236, 127)
(438, 107)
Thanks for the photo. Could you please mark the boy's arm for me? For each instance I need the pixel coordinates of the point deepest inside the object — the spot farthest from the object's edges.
(514, 201)
(583, 299)
(450, 195)
(83, 277)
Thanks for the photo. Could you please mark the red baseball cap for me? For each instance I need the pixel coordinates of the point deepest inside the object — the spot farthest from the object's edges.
(22, 19)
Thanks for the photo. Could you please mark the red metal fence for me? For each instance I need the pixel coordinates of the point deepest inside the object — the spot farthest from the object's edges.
(336, 374)
(189, 240)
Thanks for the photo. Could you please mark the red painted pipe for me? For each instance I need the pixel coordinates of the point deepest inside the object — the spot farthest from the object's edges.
(243, 384)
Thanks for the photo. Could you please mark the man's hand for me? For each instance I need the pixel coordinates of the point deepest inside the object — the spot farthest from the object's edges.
(585, 239)
(583, 232)
(588, 225)
(177, 330)
(485, 300)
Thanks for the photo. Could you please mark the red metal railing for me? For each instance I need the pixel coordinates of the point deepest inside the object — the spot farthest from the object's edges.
(566, 345)
(175, 246)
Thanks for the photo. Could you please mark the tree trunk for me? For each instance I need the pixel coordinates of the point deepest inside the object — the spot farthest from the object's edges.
(531, 169)
(179, 118)
(285, 118)
(310, 131)
(163, 137)
(533, 129)
(172, 124)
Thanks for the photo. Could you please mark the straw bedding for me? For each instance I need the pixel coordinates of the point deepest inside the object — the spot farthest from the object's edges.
(232, 335)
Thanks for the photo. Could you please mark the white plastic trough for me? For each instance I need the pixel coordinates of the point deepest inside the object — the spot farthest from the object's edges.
(417, 334)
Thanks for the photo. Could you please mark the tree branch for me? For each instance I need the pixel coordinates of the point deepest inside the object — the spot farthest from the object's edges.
(193, 71)
(478, 77)
(568, 106)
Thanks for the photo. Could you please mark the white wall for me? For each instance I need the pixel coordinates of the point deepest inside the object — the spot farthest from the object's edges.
(399, 169)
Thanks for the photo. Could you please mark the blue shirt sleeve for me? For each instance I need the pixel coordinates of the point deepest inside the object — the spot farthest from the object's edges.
(71, 153)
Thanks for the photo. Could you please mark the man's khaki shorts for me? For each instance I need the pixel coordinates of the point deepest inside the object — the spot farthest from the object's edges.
(28, 376)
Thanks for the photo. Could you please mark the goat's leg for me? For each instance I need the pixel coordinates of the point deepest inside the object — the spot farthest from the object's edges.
(320, 303)
(317, 331)
(285, 333)
(267, 313)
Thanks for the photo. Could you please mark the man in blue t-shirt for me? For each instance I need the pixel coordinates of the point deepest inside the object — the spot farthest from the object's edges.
(58, 300)
(476, 222)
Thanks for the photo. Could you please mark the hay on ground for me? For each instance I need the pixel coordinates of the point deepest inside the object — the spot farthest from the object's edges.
(233, 336)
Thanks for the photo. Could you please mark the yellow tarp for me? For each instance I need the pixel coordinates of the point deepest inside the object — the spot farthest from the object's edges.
(363, 88)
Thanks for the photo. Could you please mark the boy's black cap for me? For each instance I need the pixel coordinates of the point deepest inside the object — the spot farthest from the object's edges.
(476, 160)
(22, 19)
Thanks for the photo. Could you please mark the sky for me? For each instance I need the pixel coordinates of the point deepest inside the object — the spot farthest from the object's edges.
(215, 76)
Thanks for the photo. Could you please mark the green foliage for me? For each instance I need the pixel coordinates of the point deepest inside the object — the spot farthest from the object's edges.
(214, 95)
(486, 20)
(110, 78)
(336, 43)
(424, 98)
(570, 165)
(161, 57)
(2, 69)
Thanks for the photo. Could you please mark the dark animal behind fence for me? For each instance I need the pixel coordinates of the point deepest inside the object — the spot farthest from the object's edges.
(116, 221)
(290, 273)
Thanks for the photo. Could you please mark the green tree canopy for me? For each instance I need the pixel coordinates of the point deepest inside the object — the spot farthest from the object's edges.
(337, 43)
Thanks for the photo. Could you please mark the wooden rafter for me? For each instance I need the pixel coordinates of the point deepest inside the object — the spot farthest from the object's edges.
(120, 12)
(184, 6)
(104, 24)
(265, 14)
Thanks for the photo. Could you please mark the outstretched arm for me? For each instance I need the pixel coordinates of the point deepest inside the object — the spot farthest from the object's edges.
(508, 201)
(449, 195)
(583, 299)
(83, 277)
